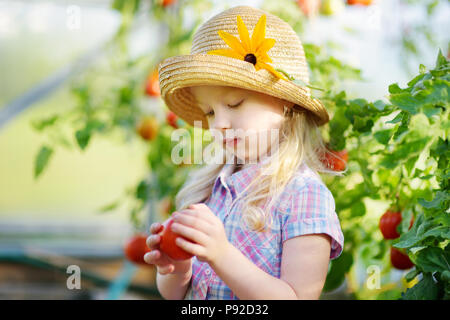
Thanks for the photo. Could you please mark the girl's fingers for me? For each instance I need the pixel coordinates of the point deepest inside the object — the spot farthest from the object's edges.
(155, 257)
(190, 233)
(151, 257)
(155, 227)
(189, 218)
(152, 241)
(201, 211)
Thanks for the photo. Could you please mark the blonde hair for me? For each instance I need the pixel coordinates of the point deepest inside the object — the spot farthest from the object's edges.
(300, 142)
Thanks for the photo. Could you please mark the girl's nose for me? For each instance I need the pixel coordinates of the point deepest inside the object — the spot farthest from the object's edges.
(221, 121)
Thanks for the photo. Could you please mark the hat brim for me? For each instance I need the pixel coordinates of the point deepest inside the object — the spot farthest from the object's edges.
(178, 73)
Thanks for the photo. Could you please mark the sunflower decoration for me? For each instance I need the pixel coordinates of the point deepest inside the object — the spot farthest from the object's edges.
(252, 50)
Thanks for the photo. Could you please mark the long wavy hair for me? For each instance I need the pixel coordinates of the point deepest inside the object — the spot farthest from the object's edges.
(300, 142)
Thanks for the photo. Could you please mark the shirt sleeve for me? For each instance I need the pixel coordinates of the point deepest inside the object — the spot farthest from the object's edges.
(311, 211)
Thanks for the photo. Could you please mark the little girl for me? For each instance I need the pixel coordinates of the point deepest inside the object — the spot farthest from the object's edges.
(262, 226)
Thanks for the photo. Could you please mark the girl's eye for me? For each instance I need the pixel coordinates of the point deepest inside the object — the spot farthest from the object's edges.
(236, 105)
(211, 113)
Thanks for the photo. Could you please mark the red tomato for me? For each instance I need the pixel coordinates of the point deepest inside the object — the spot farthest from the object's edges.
(147, 128)
(167, 3)
(309, 7)
(168, 245)
(152, 86)
(399, 260)
(135, 248)
(336, 160)
(389, 222)
(172, 119)
(361, 2)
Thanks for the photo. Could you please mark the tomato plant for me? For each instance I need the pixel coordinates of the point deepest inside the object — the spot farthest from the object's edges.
(400, 148)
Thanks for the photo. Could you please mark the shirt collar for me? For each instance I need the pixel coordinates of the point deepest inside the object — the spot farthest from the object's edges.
(240, 179)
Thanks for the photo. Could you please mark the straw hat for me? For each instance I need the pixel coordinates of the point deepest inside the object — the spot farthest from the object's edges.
(241, 47)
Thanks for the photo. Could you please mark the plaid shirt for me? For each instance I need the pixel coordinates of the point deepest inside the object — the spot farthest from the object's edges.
(306, 206)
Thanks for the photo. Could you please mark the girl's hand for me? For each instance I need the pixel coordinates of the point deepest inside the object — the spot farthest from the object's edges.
(197, 223)
(164, 264)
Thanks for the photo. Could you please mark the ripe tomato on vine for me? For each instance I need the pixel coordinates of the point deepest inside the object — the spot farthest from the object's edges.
(389, 223)
(359, 2)
(148, 128)
(336, 160)
(152, 85)
(400, 260)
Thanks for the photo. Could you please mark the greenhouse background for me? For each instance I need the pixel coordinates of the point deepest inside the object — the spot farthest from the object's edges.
(79, 207)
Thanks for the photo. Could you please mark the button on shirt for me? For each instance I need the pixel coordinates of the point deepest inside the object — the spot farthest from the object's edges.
(305, 206)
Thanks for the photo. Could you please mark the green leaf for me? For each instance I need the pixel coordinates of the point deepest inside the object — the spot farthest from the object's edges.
(338, 125)
(362, 124)
(394, 88)
(433, 259)
(358, 209)
(83, 136)
(445, 276)
(425, 289)
(109, 207)
(442, 232)
(410, 238)
(403, 127)
(339, 267)
(40, 125)
(142, 191)
(123, 5)
(422, 68)
(410, 163)
(403, 152)
(383, 136)
(405, 102)
(411, 275)
(95, 125)
(407, 240)
(438, 202)
(42, 160)
(397, 118)
(380, 105)
(441, 60)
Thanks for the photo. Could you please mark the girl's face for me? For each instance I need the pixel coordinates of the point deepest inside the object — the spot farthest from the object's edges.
(254, 118)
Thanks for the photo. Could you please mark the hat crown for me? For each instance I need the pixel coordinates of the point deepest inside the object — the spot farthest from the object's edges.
(287, 53)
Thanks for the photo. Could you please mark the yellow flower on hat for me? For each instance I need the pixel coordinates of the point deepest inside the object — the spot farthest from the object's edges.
(252, 50)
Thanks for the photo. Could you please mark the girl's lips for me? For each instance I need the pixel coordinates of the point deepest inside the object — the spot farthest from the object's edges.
(231, 141)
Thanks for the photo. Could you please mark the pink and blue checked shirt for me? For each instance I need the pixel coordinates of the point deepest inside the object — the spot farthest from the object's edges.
(306, 206)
